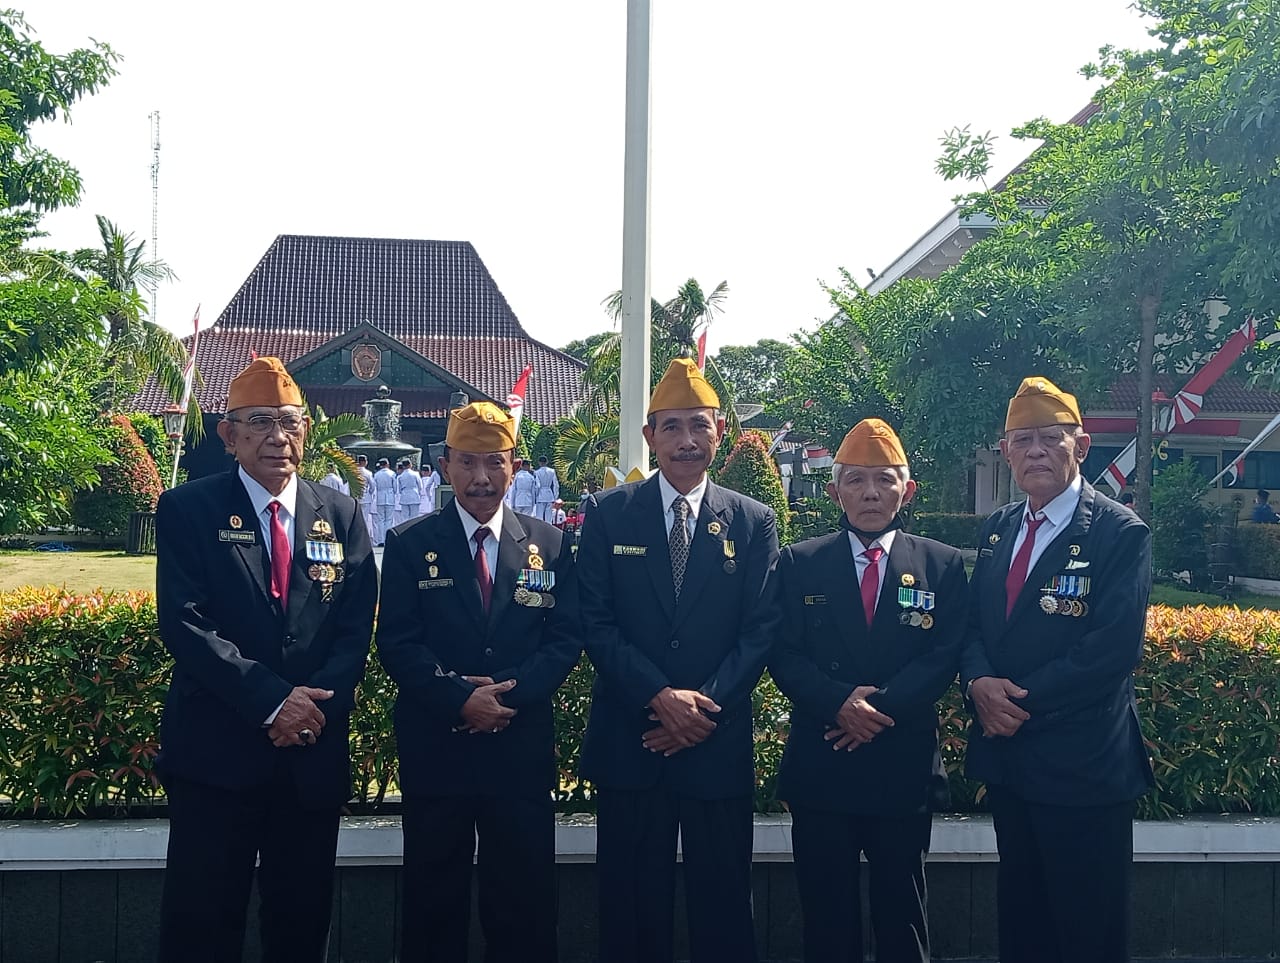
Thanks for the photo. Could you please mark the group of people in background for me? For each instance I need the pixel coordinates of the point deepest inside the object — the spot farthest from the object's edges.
(388, 497)
(681, 599)
(536, 492)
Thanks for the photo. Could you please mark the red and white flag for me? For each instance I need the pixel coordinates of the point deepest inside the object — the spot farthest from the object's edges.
(515, 400)
(1235, 472)
(702, 349)
(1236, 469)
(189, 369)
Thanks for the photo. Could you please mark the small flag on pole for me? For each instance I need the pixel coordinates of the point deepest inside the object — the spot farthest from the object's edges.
(515, 400)
(702, 349)
(189, 369)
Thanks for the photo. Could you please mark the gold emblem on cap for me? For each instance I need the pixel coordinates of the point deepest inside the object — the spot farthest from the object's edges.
(236, 522)
(1074, 550)
(994, 538)
(431, 556)
(713, 528)
(908, 579)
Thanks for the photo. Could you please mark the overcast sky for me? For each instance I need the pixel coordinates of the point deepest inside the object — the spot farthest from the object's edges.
(789, 140)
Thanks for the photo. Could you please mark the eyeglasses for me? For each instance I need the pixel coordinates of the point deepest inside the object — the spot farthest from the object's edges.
(266, 424)
(1049, 437)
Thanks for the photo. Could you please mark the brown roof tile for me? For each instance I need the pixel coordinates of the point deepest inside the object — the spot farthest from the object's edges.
(1229, 394)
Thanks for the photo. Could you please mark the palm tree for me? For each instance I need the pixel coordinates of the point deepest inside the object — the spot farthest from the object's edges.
(136, 345)
(587, 443)
(321, 452)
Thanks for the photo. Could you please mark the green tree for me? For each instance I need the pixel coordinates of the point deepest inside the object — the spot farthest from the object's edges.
(750, 471)
(583, 348)
(129, 483)
(322, 452)
(756, 372)
(586, 444)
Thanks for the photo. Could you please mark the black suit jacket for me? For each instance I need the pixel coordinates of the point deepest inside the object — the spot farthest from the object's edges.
(715, 640)
(237, 656)
(432, 630)
(1082, 745)
(825, 651)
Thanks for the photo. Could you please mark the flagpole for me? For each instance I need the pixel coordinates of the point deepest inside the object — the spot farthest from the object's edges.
(1262, 436)
(634, 376)
(188, 383)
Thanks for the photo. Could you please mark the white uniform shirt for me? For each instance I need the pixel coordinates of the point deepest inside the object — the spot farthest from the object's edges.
(1058, 513)
(366, 496)
(385, 484)
(860, 561)
(548, 484)
(407, 484)
(694, 498)
(491, 540)
(523, 488)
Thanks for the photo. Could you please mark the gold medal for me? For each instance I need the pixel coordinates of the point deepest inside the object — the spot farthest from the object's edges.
(926, 621)
(535, 562)
(314, 571)
(1077, 608)
(236, 522)
(321, 527)
(908, 579)
(729, 550)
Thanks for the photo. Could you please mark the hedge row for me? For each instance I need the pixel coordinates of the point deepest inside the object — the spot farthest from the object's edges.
(1257, 550)
(82, 680)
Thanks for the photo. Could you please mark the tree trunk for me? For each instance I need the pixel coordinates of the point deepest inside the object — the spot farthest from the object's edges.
(1149, 307)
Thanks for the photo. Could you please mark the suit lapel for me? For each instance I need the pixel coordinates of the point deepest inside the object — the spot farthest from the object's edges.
(307, 510)
(1056, 553)
(651, 531)
(844, 600)
(901, 560)
(707, 551)
(511, 558)
(253, 556)
(459, 564)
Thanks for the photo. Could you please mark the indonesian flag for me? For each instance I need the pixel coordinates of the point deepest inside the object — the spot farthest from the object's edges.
(1235, 471)
(702, 348)
(189, 369)
(1188, 402)
(780, 438)
(515, 400)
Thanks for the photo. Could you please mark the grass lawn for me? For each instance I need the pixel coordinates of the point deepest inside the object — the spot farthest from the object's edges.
(79, 571)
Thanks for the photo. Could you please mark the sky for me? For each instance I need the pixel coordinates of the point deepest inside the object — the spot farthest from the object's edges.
(788, 140)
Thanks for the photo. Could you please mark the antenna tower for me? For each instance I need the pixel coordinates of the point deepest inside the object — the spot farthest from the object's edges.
(154, 117)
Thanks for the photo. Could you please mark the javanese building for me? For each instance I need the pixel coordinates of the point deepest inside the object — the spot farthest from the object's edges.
(350, 314)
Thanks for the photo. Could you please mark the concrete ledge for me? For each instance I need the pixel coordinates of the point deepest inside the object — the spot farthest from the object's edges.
(377, 841)
(1259, 586)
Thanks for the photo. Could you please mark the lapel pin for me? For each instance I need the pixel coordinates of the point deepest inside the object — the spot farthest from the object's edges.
(431, 556)
(533, 550)
(729, 550)
(236, 522)
(994, 538)
(1074, 550)
(433, 570)
(908, 579)
(713, 528)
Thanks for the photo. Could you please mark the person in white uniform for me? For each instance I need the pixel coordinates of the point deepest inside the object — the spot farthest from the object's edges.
(430, 482)
(548, 490)
(334, 480)
(524, 489)
(366, 493)
(410, 493)
(384, 483)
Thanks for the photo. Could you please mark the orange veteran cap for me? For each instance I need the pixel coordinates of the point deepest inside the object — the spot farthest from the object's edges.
(871, 443)
(683, 386)
(481, 427)
(1040, 403)
(265, 382)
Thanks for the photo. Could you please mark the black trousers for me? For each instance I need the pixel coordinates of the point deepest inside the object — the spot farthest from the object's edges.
(1064, 880)
(636, 867)
(516, 865)
(215, 835)
(826, 847)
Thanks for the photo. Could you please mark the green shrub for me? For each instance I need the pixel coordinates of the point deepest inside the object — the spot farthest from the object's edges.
(1180, 522)
(750, 471)
(84, 679)
(958, 530)
(129, 484)
(1257, 550)
(150, 429)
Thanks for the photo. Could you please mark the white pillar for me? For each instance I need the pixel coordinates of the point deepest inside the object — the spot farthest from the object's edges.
(634, 387)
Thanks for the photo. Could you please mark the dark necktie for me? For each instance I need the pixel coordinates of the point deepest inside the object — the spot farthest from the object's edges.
(483, 576)
(871, 582)
(678, 543)
(1017, 576)
(281, 556)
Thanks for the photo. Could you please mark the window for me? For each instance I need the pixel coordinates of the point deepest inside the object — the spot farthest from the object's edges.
(1261, 469)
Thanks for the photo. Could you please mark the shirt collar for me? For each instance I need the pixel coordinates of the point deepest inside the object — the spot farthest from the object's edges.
(1061, 508)
(694, 498)
(261, 498)
(885, 541)
(469, 523)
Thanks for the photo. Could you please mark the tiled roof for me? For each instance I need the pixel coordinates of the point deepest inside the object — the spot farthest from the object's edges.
(1227, 395)
(434, 297)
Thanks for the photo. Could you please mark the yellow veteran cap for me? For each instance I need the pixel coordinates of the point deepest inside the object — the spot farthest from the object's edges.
(872, 444)
(480, 427)
(683, 386)
(1039, 403)
(264, 382)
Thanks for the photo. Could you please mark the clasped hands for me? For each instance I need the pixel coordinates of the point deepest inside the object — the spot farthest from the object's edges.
(483, 711)
(993, 697)
(683, 714)
(297, 715)
(858, 721)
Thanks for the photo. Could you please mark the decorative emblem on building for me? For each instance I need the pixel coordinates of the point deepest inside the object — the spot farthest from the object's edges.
(366, 361)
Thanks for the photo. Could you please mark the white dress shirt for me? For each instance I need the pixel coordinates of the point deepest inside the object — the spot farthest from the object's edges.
(860, 560)
(694, 498)
(491, 540)
(261, 498)
(1058, 513)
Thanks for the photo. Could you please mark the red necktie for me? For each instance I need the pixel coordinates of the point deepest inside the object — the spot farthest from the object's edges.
(281, 556)
(483, 576)
(1017, 576)
(871, 582)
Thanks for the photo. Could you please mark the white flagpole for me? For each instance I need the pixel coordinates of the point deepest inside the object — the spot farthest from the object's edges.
(1272, 425)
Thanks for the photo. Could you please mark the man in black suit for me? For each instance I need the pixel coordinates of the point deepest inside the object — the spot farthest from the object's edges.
(479, 627)
(870, 640)
(673, 574)
(1057, 620)
(265, 586)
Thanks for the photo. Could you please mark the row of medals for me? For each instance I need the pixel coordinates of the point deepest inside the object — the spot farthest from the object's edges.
(325, 554)
(917, 603)
(1056, 598)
